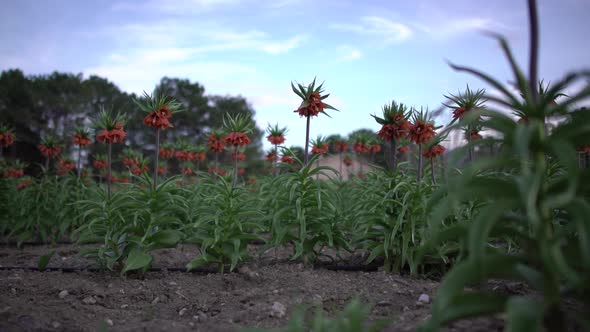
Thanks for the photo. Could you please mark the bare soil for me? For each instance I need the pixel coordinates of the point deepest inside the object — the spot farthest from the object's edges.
(89, 300)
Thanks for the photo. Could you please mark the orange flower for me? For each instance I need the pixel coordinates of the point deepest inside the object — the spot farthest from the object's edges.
(136, 170)
(341, 146)
(320, 149)
(314, 108)
(14, 173)
(271, 156)
(215, 143)
(129, 162)
(360, 147)
(375, 148)
(287, 160)
(188, 171)
(49, 151)
(237, 139)
(218, 171)
(80, 140)
(404, 149)
(113, 136)
(389, 131)
(6, 139)
(162, 170)
(459, 112)
(276, 140)
(166, 153)
(241, 171)
(99, 164)
(241, 156)
(421, 132)
(347, 161)
(157, 119)
(435, 151)
(182, 155)
(24, 184)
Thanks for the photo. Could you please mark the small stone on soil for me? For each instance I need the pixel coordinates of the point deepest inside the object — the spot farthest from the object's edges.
(109, 322)
(383, 304)
(278, 310)
(89, 300)
(124, 306)
(156, 300)
(182, 312)
(63, 294)
(56, 325)
(424, 299)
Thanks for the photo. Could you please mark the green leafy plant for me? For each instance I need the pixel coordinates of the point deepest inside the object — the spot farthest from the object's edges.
(224, 223)
(531, 191)
(133, 222)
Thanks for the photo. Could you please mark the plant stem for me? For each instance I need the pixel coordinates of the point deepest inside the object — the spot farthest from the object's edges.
(340, 165)
(432, 170)
(1, 152)
(157, 158)
(419, 175)
(393, 154)
(79, 162)
(306, 155)
(275, 161)
(47, 165)
(109, 154)
(235, 180)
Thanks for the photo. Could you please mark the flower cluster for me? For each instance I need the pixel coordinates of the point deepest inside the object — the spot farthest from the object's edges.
(312, 100)
(49, 150)
(82, 137)
(434, 151)
(237, 139)
(215, 142)
(24, 183)
(241, 156)
(217, 171)
(271, 156)
(115, 135)
(347, 161)
(6, 137)
(14, 173)
(321, 149)
(139, 169)
(375, 148)
(288, 159)
(162, 170)
(421, 132)
(403, 149)
(65, 166)
(159, 118)
(360, 147)
(167, 152)
(341, 146)
(276, 140)
(100, 162)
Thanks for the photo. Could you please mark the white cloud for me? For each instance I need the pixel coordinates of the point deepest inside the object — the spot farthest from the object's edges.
(282, 46)
(454, 28)
(388, 31)
(349, 53)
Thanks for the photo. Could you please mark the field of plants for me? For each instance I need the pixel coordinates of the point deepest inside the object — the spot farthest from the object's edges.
(493, 235)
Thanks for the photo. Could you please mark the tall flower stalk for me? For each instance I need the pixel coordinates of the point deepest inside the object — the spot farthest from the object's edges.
(361, 146)
(421, 131)
(81, 140)
(238, 128)
(110, 125)
(50, 149)
(463, 104)
(160, 109)
(216, 145)
(339, 145)
(276, 136)
(434, 150)
(395, 125)
(311, 105)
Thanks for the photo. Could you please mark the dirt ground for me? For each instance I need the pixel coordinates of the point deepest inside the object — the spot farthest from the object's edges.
(263, 293)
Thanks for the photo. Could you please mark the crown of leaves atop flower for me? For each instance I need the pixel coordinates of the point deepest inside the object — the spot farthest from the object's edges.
(18, 165)
(5, 129)
(100, 157)
(130, 154)
(167, 146)
(466, 101)
(423, 116)
(142, 162)
(182, 144)
(108, 120)
(320, 141)
(393, 113)
(82, 132)
(276, 131)
(157, 101)
(374, 141)
(547, 97)
(200, 148)
(305, 93)
(217, 133)
(239, 123)
(50, 141)
(360, 138)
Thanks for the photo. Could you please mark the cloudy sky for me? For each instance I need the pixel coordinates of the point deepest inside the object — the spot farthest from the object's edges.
(367, 52)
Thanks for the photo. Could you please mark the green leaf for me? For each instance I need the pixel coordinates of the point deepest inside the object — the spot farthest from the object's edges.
(136, 260)
(165, 239)
(524, 315)
(44, 260)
